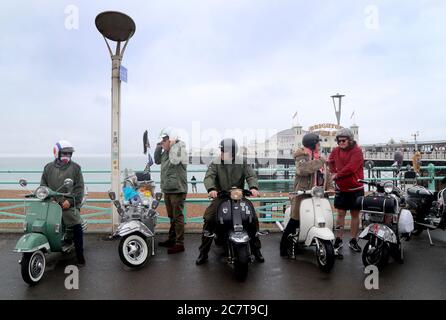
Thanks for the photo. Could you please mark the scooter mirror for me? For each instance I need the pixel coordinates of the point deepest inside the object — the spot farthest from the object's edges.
(369, 164)
(68, 183)
(158, 196)
(23, 183)
(112, 195)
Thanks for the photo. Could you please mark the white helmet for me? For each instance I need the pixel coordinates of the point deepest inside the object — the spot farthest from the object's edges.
(62, 146)
(169, 132)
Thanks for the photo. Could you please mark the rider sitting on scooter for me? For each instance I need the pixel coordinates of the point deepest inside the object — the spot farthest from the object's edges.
(53, 177)
(309, 173)
(229, 171)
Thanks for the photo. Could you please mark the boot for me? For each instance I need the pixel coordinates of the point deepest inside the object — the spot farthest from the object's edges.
(202, 258)
(258, 255)
(291, 228)
(175, 249)
(205, 246)
(80, 261)
(168, 243)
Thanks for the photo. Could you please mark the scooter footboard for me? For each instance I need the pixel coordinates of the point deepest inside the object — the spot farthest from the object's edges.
(380, 231)
(31, 242)
(132, 227)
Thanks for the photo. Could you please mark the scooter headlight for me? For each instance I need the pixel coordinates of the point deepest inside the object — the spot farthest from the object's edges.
(317, 192)
(42, 193)
(236, 194)
(388, 187)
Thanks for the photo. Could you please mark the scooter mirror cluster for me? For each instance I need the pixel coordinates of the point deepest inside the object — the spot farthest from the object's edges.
(23, 183)
(112, 195)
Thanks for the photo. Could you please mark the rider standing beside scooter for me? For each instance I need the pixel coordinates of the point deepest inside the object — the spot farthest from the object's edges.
(53, 177)
(309, 173)
(170, 153)
(222, 175)
(347, 166)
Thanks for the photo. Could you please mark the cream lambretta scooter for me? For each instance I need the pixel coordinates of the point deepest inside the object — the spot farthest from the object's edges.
(316, 227)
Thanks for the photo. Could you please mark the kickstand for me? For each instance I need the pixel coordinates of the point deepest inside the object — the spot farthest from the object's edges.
(430, 238)
(338, 254)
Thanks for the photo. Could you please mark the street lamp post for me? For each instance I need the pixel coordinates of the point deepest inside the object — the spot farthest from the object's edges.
(118, 27)
(337, 110)
(415, 135)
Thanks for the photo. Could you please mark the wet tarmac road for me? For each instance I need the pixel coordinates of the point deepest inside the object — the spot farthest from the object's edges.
(422, 276)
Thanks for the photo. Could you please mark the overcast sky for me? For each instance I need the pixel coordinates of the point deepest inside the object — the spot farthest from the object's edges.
(221, 64)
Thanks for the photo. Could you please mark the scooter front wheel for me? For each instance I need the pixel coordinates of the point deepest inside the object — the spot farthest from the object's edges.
(33, 266)
(325, 255)
(376, 252)
(134, 251)
(241, 262)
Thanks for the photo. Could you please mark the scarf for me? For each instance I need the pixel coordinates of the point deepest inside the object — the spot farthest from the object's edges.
(315, 155)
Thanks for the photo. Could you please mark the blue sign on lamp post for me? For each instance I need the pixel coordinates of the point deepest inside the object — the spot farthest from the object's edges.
(123, 74)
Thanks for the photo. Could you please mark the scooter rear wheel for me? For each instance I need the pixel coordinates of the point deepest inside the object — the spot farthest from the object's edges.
(134, 251)
(33, 266)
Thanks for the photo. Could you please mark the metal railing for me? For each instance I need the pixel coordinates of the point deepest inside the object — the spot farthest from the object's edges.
(271, 209)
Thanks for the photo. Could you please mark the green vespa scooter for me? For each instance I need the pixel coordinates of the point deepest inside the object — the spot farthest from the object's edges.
(44, 231)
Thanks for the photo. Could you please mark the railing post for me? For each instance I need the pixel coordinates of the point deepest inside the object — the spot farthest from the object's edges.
(431, 171)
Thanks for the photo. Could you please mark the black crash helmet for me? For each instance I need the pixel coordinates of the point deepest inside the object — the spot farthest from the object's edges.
(310, 140)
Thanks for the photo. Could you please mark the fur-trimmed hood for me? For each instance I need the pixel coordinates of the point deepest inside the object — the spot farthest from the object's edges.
(300, 153)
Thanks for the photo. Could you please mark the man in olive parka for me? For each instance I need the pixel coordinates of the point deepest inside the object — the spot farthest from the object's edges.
(171, 154)
(222, 175)
(53, 177)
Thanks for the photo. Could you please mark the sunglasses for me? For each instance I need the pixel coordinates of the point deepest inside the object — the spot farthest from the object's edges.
(342, 140)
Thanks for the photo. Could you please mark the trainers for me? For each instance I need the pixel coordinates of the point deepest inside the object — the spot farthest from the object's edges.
(353, 244)
(338, 244)
(175, 249)
(168, 243)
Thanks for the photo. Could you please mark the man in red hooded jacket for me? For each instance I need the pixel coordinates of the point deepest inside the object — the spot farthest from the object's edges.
(347, 166)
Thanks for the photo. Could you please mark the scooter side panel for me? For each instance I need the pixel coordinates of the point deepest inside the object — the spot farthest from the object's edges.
(132, 227)
(31, 242)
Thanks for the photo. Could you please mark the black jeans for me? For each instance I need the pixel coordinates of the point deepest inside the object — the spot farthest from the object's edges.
(289, 229)
(78, 238)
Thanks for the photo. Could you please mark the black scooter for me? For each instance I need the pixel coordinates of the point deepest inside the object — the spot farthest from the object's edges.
(428, 209)
(235, 228)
